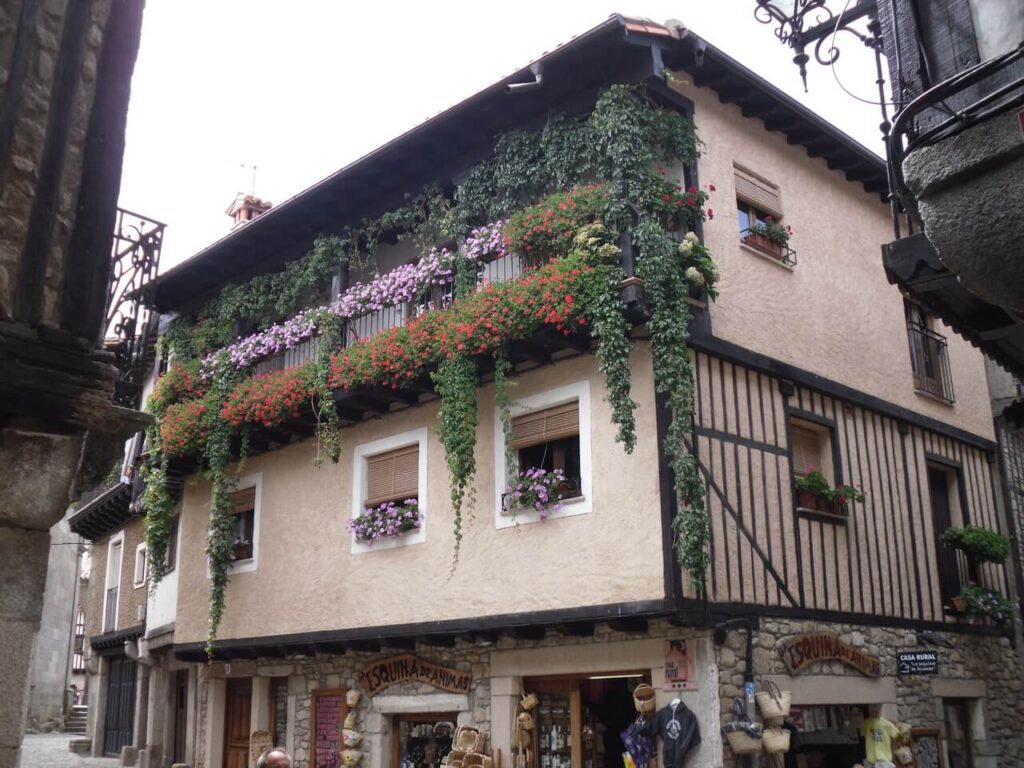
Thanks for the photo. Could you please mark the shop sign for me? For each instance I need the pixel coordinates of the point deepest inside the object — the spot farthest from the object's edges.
(801, 651)
(917, 662)
(408, 668)
(680, 669)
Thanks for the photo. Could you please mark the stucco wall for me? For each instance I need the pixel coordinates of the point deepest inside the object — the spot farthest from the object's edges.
(307, 579)
(835, 314)
(130, 597)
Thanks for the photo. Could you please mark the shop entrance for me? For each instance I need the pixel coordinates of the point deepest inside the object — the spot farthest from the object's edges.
(421, 740)
(826, 736)
(579, 718)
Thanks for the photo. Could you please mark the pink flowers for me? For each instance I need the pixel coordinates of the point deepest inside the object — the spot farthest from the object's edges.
(385, 521)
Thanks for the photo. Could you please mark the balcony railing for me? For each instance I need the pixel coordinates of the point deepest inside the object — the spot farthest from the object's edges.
(135, 260)
(778, 251)
(930, 362)
(110, 610)
(508, 267)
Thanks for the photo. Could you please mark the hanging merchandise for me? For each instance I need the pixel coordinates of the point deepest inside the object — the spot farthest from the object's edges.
(772, 702)
(776, 740)
(744, 736)
(643, 699)
(679, 731)
(639, 742)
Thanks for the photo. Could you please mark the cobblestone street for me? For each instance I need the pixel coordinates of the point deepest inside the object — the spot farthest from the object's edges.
(50, 750)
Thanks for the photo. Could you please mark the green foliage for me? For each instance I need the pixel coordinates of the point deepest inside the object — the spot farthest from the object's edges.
(456, 380)
(158, 508)
(815, 482)
(980, 543)
(503, 402)
(658, 265)
(981, 601)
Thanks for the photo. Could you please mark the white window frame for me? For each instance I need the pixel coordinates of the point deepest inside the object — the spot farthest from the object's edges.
(249, 564)
(416, 437)
(140, 552)
(117, 538)
(580, 505)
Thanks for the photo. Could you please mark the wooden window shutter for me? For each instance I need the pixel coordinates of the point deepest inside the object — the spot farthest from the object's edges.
(393, 476)
(243, 501)
(806, 451)
(545, 426)
(759, 194)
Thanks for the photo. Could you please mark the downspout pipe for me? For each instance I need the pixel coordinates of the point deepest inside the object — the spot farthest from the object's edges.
(538, 80)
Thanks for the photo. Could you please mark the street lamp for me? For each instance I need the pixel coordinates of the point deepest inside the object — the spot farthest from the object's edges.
(800, 22)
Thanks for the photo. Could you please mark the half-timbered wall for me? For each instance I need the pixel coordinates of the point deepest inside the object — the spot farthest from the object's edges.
(883, 559)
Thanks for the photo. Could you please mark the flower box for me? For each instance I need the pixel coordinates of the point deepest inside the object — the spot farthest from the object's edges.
(764, 245)
(538, 490)
(386, 521)
(815, 502)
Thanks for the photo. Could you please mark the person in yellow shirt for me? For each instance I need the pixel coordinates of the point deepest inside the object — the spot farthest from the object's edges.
(878, 734)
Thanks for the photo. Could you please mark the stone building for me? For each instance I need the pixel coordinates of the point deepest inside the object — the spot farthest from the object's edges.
(65, 72)
(809, 362)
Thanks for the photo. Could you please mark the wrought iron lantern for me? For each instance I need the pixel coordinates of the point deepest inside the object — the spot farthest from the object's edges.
(804, 22)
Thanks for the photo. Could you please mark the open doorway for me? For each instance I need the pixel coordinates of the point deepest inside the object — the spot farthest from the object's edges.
(579, 718)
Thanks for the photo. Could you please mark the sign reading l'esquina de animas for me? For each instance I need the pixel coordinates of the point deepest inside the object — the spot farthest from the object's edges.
(405, 668)
(801, 651)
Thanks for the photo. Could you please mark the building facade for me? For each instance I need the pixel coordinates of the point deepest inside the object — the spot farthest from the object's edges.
(808, 363)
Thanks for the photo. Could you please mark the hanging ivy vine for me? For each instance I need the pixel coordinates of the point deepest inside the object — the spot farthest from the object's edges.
(534, 179)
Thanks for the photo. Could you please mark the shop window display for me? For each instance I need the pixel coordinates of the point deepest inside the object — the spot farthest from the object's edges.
(422, 740)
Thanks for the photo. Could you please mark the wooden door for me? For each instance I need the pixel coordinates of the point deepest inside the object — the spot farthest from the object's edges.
(237, 710)
(180, 715)
(120, 720)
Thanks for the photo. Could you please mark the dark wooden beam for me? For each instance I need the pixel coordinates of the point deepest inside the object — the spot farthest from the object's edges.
(531, 632)
(576, 629)
(365, 646)
(398, 644)
(438, 641)
(629, 624)
(519, 351)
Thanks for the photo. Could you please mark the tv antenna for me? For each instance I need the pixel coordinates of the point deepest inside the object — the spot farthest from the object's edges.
(252, 190)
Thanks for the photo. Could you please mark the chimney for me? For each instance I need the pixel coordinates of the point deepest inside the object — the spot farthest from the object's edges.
(246, 208)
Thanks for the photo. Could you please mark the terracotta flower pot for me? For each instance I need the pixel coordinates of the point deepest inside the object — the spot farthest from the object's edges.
(818, 503)
(764, 245)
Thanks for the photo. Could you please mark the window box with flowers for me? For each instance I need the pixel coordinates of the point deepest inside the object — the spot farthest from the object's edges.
(771, 238)
(389, 500)
(981, 604)
(814, 494)
(386, 521)
(539, 490)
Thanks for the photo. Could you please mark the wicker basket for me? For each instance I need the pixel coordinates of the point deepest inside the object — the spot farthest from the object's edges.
(529, 701)
(468, 739)
(643, 699)
(904, 756)
(772, 702)
(776, 740)
(743, 738)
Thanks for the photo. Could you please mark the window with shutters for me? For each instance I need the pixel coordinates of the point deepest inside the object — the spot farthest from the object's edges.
(246, 504)
(550, 439)
(392, 469)
(392, 476)
(550, 430)
(758, 207)
(243, 510)
(811, 449)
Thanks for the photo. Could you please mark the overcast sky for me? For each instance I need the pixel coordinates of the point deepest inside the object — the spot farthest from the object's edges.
(303, 87)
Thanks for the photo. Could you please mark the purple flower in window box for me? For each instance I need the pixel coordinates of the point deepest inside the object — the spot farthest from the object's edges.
(387, 520)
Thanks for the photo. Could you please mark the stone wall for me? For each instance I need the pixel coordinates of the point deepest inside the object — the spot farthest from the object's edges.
(970, 666)
(52, 648)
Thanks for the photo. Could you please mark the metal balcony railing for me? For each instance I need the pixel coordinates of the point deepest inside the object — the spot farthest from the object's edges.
(930, 362)
(135, 260)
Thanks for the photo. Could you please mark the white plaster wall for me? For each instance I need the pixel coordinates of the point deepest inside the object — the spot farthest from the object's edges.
(309, 579)
(835, 314)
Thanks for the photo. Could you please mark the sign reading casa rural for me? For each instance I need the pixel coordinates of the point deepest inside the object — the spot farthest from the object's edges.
(408, 668)
(803, 650)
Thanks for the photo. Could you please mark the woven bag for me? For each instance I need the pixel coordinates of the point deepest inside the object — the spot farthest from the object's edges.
(643, 699)
(776, 740)
(772, 702)
(744, 737)
(904, 756)
(529, 701)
